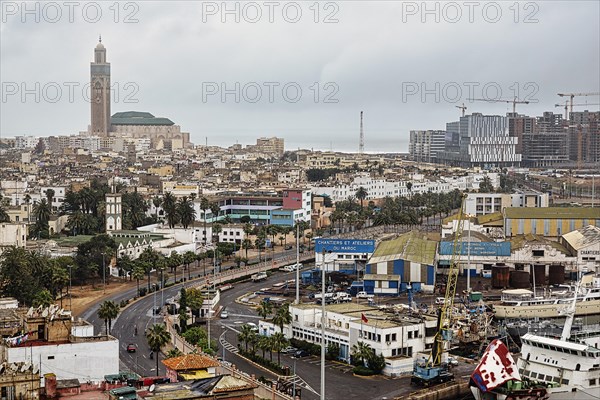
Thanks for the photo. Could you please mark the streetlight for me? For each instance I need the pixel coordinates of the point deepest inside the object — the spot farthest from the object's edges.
(70, 295)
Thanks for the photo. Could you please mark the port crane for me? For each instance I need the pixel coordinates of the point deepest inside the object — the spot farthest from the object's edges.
(513, 101)
(434, 371)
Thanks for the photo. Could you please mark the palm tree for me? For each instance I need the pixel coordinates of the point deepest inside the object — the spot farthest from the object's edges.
(246, 244)
(175, 260)
(361, 352)
(264, 344)
(283, 316)
(157, 337)
(245, 335)
(361, 194)
(50, 195)
(149, 259)
(138, 273)
(156, 202)
(186, 212)
(264, 309)
(4, 217)
(214, 209)
(170, 207)
(108, 311)
(42, 211)
(278, 343)
(204, 205)
(173, 353)
(188, 258)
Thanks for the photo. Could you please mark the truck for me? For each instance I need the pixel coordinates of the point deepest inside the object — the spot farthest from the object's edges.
(342, 297)
(259, 276)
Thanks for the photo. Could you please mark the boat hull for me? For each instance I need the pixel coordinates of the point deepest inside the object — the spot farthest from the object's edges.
(583, 308)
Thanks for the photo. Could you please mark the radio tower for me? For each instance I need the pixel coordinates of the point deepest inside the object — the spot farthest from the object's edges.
(361, 144)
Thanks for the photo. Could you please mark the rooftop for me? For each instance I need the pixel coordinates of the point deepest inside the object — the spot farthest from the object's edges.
(190, 362)
(138, 118)
(410, 246)
(583, 237)
(552, 213)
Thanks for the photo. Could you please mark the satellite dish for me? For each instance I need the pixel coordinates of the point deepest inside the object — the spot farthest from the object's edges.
(152, 387)
(45, 313)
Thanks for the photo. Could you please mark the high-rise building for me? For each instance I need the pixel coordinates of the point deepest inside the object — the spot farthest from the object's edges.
(424, 146)
(484, 141)
(584, 136)
(547, 144)
(100, 92)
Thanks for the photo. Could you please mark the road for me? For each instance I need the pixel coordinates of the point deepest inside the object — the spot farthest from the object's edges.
(340, 383)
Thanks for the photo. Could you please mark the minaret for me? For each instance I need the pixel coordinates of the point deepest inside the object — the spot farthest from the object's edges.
(114, 217)
(100, 92)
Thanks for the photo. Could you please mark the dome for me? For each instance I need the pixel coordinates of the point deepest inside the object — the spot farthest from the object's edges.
(99, 46)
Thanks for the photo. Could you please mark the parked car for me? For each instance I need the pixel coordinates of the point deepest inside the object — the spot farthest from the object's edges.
(252, 326)
(289, 350)
(131, 348)
(364, 295)
(301, 353)
(224, 314)
(452, 361)
(290, 268)
(288, 246)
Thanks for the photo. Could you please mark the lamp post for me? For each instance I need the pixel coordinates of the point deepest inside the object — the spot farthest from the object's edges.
(70, 295)
(323, 326)
(297, 263)
(103, 274)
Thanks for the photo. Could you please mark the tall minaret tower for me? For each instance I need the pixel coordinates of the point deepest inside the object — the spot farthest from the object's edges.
(114, 217)
(100, 92)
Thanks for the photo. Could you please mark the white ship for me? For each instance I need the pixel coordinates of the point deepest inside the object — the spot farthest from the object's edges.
(567, 366)
(523, 304)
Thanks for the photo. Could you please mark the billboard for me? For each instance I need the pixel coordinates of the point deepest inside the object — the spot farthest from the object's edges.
(344, 245)
(477, 248)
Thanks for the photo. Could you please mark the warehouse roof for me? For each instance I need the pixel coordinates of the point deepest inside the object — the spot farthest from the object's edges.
(582, 238)
(411, 246)
(552, 213)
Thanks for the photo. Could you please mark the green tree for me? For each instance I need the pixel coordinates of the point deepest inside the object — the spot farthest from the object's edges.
(108, 311)
(138, 274)
(278, 343)
(245, 335)
(204, 205)
(485, 186)
(175, 260)
(333, 351)
(92, 255)
(264, 344)
(43, 298)
(361, 353)
(157, 337)
(264, 309)
(282, 316)
(188, 258)
(173, 353)
(361, 194)
(156, 202)
(186, 212)
(149, 259)
(169, 205)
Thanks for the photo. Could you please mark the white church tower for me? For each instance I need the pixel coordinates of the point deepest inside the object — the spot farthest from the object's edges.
(114, 216)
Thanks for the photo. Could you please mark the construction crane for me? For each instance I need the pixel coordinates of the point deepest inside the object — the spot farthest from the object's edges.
(435, 371)
(574, 105)
(463, 108)
(572, 95)
(513, 101)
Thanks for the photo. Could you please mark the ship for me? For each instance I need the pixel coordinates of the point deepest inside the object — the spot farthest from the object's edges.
(565, 367)
(497, 377)
(524, 304)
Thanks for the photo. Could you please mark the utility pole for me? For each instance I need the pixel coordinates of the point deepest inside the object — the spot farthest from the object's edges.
(323, 327)
(103, 274)
(297, 263)
(70, 295)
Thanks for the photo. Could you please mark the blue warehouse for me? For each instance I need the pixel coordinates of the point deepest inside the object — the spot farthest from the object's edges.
(410, 258)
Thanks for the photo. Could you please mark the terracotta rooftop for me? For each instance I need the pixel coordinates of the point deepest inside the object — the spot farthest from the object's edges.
(190, 362)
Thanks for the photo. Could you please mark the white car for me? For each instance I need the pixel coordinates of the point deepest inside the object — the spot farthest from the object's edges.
(252, 326)
(290, 268)
(224, 314)
(364, 295)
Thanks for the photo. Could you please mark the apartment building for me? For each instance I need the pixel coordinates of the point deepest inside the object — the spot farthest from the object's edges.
(424, 146)
(487, 203)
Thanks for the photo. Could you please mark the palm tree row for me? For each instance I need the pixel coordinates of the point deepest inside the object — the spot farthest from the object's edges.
(273, 343)
(176, 211)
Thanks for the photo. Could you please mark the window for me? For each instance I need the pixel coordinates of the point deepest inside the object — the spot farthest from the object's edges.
(593, 382)
(410, 334)
(538, 253)
(50, 357)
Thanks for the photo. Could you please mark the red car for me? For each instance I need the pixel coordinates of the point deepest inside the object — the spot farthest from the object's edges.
(131, 348)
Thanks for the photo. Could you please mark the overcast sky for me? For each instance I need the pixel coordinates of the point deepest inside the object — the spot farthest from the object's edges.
(173, 59)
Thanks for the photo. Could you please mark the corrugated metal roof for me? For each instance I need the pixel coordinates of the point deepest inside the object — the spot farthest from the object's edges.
(552, 213)
(410, 246)
(583, 237)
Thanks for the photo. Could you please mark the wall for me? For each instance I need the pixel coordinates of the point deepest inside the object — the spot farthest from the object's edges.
(86, 361)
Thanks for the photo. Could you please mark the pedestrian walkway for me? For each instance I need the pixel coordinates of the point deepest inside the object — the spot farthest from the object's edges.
(228, 346)
(295, 379)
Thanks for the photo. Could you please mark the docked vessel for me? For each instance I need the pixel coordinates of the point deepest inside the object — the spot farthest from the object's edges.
(566, 367)
(523, 304)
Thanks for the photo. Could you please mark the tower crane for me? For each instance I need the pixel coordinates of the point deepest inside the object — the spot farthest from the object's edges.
(574, 105)
(434, 371)
(463, 108)
(513, 101)
(572, 95)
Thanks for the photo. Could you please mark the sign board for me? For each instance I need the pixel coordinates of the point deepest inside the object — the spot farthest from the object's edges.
(477, 248)
(344, 245)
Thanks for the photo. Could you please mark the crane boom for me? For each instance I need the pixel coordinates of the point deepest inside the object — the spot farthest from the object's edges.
(572, 95)
(513, 101)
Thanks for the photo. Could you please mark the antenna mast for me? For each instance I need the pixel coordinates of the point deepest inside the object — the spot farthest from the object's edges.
(361, 144)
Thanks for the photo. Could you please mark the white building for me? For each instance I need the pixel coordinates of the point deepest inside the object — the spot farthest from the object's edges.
(398, 338)
(424, 146)
(232, 233)
(26, 142)
(584, 243)
(488, 203)
(12, 234)
(57, 199)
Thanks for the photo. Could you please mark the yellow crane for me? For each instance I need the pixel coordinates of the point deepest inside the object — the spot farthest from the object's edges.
(572, 95)
(434, 371)
(514, 102)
